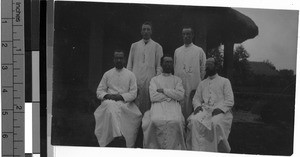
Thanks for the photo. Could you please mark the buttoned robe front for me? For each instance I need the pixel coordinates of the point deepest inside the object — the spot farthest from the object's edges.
(117, 118)
(189, 65)
(163, 124)
(204, 131)
(144, 62)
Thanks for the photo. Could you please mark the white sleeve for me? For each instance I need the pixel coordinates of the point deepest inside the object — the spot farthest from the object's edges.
(130, 58)
(158, 55)
(197, 100)
(154, 95)
(177, 93)
(102, 87)
(132, 93)
(202, 64)
(228, 102)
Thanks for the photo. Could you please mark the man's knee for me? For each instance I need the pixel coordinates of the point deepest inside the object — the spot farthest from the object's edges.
(192, 120)
(216, 120)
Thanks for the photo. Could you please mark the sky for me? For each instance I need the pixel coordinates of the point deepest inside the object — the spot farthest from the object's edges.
(277, 37)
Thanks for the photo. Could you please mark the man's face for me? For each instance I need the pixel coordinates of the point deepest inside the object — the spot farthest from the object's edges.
(146, 32)
(119, 60)
(187, 35)
(167, 65)
(210, 68)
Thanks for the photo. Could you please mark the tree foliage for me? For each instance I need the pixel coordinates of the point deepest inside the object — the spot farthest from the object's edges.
(241, 67)
(218, 54)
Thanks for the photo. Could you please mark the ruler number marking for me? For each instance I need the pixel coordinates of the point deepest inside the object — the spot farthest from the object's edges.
(4, 113)
(4, 136)
(4, 44)
(4, 67)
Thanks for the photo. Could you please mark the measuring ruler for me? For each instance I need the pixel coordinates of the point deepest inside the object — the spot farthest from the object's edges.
(12, 77)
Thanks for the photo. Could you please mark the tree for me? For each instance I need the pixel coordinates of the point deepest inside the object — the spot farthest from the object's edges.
(241, 65)
(218, 54)
(270, 64)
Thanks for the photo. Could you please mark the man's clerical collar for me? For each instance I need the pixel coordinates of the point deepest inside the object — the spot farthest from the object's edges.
(188, 45)
(146, 41)
(213, 77)
(166, 74)
(119, 70)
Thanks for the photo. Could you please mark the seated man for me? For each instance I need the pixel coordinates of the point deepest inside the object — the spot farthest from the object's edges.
(163, 124)
(209, 126)
(117, 118)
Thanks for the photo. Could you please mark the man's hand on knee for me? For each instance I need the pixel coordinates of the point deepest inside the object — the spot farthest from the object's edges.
(217, 111)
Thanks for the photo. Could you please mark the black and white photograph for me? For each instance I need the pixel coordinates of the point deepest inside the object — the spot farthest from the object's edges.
(174, 77)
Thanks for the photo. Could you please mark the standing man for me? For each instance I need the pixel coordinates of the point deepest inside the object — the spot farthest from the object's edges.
(190, 67)
(209, 126)
(117, 118)
(163, 124)
(144, 62)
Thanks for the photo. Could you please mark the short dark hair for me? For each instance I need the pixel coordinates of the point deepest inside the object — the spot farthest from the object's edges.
(165, 55)
(119, 50)
(147, 23)
(188, 26)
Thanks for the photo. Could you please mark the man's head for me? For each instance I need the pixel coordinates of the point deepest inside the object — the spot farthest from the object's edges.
(167, 64)
(146, 30)
(119, 59)
(187, 35)
(210, 67)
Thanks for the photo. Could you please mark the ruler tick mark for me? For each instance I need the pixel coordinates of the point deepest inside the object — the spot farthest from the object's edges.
(18, 83)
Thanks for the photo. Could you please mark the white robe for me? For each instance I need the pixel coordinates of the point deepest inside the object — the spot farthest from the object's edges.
(163, 124)
(144, 62)
(117, 118)
(204, 132)
(189, 65)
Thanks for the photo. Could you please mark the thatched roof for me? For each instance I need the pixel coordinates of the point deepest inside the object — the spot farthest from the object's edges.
(240, 27)
(229, 25)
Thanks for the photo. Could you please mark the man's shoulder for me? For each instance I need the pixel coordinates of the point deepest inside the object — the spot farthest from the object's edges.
(198, 48)
(177, 78)
(108, 72)
(224, 79)
(128, 71)
(155, 77)
(156, 43)
(179, 49)
(137, 42)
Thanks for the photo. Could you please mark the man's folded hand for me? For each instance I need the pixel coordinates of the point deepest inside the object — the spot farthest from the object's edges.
(199, 108)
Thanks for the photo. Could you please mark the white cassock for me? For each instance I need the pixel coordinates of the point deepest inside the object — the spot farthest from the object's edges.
(163, 125)
(117, 118)
(144, 62)
(204, 132)
(189, 65)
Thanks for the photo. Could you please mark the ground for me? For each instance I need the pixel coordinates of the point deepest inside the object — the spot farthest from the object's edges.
(254, 129)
